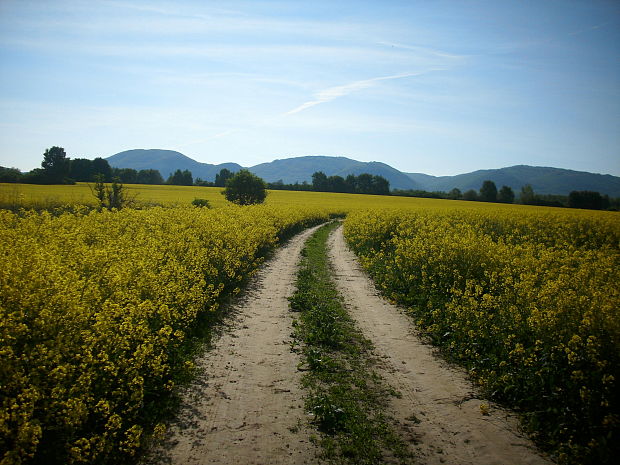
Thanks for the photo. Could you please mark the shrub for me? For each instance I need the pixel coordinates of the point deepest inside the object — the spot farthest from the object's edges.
(201, 203)
(245, 188)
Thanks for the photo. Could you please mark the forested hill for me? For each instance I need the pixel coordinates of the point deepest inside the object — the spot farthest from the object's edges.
(167, 162)
(299, 169)
(544, 180)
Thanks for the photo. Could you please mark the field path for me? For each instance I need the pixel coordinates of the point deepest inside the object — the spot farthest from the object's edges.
(438, 411)
(247, 400)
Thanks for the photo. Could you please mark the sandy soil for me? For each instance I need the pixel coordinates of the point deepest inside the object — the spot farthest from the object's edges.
(246, 405)
(438, 412)
(247, 401)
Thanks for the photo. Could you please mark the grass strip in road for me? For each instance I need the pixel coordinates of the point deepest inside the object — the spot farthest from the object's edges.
(345, 398)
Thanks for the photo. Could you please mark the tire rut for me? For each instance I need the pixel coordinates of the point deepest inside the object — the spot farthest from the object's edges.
(438, 412)
(246, 401)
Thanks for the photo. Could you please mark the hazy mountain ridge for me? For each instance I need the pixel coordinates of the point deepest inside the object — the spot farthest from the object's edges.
(299, 169)
(167, 162)
(544, 180)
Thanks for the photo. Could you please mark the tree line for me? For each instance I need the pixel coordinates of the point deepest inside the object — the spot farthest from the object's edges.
(363, 184)
(58, 168)
(488, 192)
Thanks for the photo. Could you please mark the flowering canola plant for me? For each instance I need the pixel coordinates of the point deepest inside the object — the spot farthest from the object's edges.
(528, 300)
(94, 311)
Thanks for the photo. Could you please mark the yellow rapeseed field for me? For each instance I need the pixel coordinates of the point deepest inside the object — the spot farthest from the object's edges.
(39, 196)
(527, 299)
(94, 311)
(96, 307)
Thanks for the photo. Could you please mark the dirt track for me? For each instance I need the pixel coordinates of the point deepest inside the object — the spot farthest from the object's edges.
(246, 406)
(438, 411)
(247, 401)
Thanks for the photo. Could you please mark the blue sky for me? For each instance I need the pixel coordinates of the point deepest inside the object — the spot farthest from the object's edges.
(438, 87)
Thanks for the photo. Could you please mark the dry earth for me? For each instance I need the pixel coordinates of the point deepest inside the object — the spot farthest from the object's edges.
(438, 410)
(246, 405)
(247, 402)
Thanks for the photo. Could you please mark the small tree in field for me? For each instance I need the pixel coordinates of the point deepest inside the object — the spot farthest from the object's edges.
(113, 197)
(245, 188)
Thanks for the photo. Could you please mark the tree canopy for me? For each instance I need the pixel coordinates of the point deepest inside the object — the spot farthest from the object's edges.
(245, 188)
(506, 195)
(221, 177)
(488, 192)
(470, 195)
(181, 178)
(363, 184)
(149, 177)
(587, 199)
(10, 174)
(55, 165)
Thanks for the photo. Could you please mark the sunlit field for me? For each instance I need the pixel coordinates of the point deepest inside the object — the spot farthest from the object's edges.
(96, 307)
(527, 300)
(41, 197)
(95, 312)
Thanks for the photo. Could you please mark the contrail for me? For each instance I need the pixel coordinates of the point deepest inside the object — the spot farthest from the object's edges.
(332, 93)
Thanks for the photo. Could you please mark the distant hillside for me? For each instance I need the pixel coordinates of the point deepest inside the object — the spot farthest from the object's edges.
(167, 162)
(299, 169)
(544, 180)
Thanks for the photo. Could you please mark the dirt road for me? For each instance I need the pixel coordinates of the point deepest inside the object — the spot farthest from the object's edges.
(438, 411)
(246, 407)
(247, 401)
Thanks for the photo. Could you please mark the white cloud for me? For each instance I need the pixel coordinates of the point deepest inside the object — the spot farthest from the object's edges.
(332, 93)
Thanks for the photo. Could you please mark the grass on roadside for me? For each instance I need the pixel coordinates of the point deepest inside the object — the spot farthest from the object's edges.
(345, 397)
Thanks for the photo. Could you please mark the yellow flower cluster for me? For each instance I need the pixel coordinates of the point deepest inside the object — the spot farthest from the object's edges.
(527, 300)
(94, 310)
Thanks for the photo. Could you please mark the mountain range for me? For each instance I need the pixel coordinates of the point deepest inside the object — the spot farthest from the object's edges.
(167, 162)
(544, 180)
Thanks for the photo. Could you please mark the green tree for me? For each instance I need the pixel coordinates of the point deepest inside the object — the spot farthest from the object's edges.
(506, 195)
(126, 175)
(55, 165)
(181, 178)
(10, 174)
(380, 186)
(470, 195)
(81, 169)
(455, 194)
(587, 199)
(201, 182)
(527, 197)
(110, 197)
(101, 166)
(488, 192)
(149, 177)
(84, 170)
(337, 184)
(319, 181)
(351, 183)
(245, 188)
(223, 176)
(364, 184)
